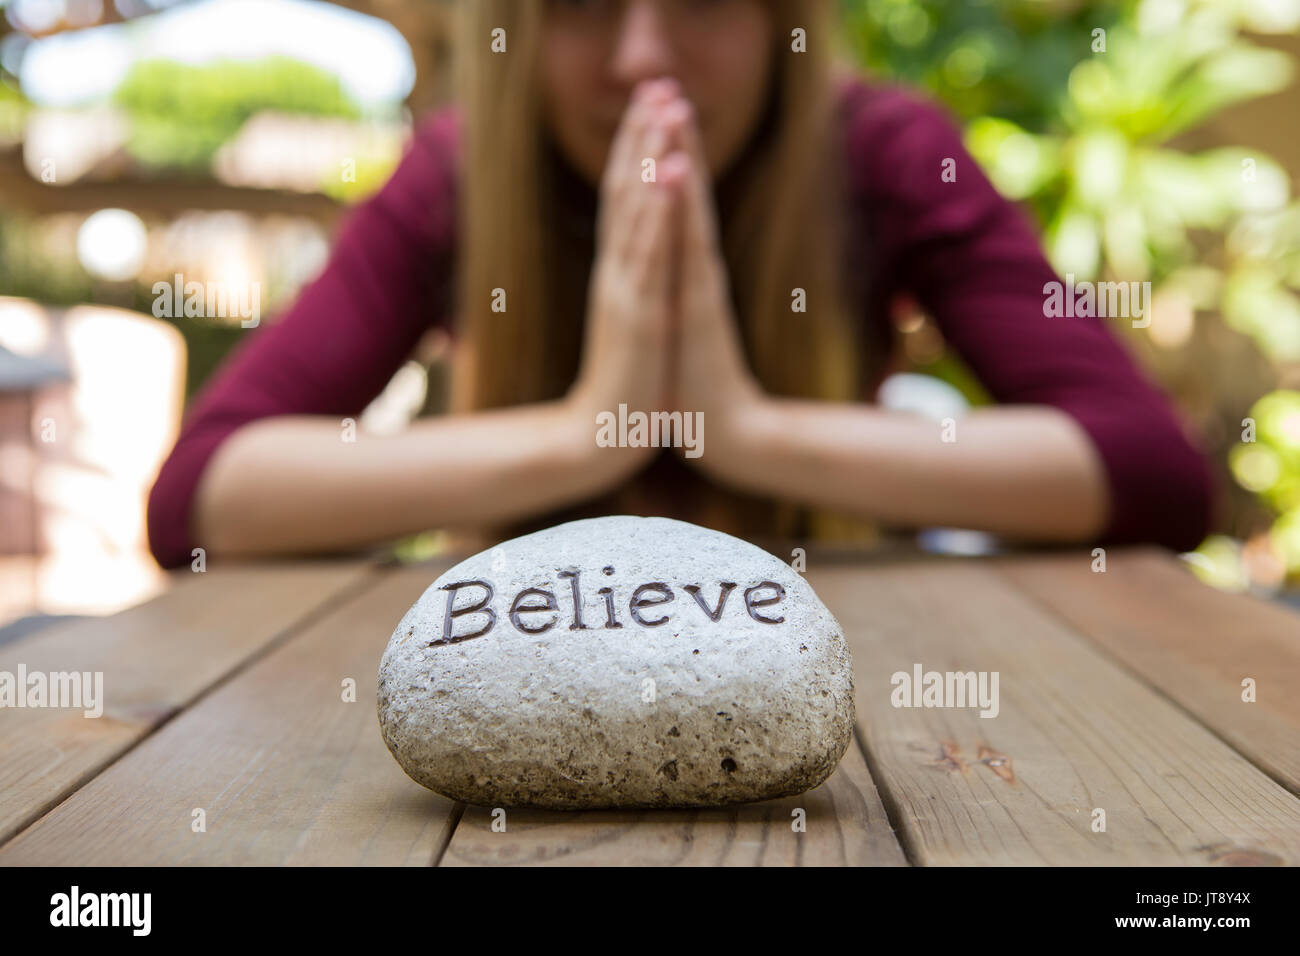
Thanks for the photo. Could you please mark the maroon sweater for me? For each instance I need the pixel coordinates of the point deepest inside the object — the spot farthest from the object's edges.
(967, 256)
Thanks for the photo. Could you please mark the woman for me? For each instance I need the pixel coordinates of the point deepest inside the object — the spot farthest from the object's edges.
(629, 209)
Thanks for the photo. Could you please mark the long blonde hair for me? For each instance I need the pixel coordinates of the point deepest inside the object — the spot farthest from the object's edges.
(783, 233)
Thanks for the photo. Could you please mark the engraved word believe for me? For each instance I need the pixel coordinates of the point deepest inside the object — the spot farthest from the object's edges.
(533, 601)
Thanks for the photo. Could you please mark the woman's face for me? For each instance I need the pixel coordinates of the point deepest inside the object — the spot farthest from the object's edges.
(595, 52)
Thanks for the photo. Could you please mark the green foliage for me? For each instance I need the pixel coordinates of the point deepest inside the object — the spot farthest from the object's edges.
(13, 109)
(1270, 464)
(1073, 107)
(1070, 110)
(26, 271)
(1005, 58)
(371, 172)
(181, 114)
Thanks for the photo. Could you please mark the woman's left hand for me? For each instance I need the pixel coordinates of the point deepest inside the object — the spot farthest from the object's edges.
(711, 376)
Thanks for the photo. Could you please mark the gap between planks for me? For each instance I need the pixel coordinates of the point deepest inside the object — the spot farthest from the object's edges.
(284, 766)
(1075, 733)
(1199, 668)
(48, 754)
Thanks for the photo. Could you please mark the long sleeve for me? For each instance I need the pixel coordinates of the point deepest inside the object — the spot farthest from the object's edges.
(971, 260)
(387, 281)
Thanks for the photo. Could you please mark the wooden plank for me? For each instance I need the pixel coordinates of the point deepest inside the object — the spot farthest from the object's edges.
(155, 659)
(844, 824)
(285, 770)
(1074, 732)
(1193, 643)
(166, 195)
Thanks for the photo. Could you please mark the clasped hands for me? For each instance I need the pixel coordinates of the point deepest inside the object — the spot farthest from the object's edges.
(661, 334)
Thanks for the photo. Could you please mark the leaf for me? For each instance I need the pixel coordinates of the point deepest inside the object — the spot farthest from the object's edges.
(1239, 73)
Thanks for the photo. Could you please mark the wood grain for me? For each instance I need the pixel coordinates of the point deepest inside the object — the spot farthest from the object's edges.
(1192, 642)
(1075, 732)
(285, 770)
(156, 659)
(844, 825)
(1106, 701)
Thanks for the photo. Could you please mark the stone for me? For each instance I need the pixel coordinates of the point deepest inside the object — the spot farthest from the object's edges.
(618, 662)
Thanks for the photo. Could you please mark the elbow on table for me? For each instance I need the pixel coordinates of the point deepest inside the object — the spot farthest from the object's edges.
(165, 522)
(1167, 497)
(170, 514)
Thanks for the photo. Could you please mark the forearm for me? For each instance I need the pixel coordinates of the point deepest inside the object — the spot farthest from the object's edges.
(291, 484)
(1027, 472)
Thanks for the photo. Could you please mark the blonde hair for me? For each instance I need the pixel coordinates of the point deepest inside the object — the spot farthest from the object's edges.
(783, 233)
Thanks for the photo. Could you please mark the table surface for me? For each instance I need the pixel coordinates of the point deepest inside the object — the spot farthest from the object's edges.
(1120, 691)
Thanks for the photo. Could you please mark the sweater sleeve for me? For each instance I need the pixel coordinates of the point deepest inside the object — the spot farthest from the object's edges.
(386, 283)
(972, 261)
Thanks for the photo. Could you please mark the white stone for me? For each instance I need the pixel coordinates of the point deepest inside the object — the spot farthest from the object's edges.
(537, 711)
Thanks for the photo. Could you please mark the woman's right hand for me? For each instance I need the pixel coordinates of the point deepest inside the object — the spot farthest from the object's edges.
(626, 352)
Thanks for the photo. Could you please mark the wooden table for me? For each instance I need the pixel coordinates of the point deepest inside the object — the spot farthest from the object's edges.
(1120, 691)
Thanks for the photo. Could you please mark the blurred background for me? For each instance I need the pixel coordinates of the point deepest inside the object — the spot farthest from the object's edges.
(150, 145)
